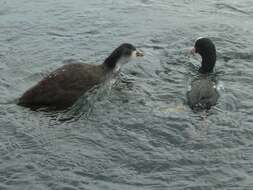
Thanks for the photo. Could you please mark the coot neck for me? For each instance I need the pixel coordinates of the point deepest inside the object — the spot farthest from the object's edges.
(208, 63)
(111, 61)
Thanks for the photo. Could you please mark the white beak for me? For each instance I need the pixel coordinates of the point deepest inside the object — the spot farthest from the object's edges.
(193, 51)
(138, 53)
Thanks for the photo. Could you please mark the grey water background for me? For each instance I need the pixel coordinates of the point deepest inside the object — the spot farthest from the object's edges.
(137, 134)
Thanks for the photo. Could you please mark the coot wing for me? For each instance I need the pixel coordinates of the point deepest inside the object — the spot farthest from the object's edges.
(62, 87)
(203, 94)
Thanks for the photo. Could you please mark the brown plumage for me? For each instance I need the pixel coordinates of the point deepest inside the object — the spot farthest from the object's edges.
(65, 85)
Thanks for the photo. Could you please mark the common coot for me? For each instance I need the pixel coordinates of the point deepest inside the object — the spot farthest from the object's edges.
(203, 92)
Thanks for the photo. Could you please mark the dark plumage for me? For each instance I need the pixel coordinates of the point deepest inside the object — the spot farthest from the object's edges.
(65, 85)
(206, 49)
(203, 93)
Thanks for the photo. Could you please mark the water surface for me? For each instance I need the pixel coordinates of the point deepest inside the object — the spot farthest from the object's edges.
(138, 133)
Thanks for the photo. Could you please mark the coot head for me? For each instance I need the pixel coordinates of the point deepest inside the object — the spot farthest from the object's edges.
(206, 49)
(121, 55)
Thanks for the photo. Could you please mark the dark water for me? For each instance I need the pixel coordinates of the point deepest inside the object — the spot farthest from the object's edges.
(137, 134)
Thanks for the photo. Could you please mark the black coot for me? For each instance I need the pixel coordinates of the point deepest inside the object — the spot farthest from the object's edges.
(61, 88)
(203, 93)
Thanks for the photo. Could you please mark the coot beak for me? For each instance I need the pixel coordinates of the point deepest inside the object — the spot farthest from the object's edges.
(193, 51)
(139, 53)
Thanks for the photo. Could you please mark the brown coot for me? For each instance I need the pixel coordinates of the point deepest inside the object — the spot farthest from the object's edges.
(61, 88)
